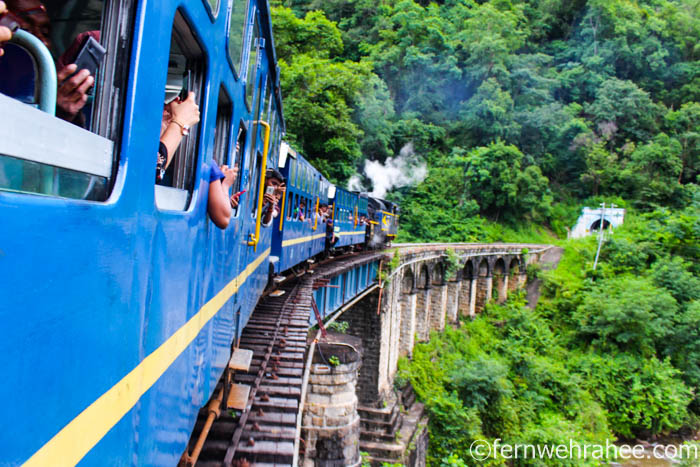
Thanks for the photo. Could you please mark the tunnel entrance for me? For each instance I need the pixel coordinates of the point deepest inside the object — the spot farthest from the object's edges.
(596, 225)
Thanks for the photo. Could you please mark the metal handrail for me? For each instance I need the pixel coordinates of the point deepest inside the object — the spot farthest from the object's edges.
(46, 77)
(255, 238)
(318, 200)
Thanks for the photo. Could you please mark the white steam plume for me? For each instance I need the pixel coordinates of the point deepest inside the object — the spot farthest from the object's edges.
(404, 170)
(355, 183)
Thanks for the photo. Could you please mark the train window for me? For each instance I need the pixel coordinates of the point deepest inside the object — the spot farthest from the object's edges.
(292, 172)
(271, 143)
(237, 160)
(253, 63)
(75, 157)
(222, 133)
(255, 164)
(237, 22)
(213, 7)
(175, 180)
(255, 180)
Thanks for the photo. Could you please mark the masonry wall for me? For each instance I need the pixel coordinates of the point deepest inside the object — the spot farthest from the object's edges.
(330, 423)
(453, 296)
(484, 285)
(438, 307)
(408, 324)
(364, 323)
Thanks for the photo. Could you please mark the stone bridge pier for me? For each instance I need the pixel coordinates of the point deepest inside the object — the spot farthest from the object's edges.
(425, 293)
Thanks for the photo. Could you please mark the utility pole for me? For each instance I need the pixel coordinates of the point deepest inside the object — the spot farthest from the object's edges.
(600, 232)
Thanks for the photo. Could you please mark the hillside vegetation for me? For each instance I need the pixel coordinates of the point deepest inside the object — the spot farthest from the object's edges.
(519, 113)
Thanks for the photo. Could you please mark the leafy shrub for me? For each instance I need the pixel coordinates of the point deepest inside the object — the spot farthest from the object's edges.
(628, 313)
(642, 396)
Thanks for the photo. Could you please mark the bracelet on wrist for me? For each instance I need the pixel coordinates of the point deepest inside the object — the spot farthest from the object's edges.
(184, 129)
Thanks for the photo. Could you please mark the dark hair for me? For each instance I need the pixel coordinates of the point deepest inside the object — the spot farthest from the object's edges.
(272, 173)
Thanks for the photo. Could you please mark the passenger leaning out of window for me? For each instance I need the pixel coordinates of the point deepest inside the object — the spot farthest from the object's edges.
(178, 117)
(219, 206)
(274, 190)
(72, 91)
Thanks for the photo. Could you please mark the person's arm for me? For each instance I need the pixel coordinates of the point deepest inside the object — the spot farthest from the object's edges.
(185, 114)
(219, 205)
(270, 203)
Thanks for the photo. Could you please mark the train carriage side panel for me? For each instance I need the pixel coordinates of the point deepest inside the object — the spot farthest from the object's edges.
(129, 308)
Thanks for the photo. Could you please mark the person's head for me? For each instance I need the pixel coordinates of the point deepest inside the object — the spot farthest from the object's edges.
(302, 204)
(273, 178)
(323, 208)
(32, 17)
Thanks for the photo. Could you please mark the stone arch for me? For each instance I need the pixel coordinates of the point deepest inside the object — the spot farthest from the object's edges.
(423, 303)
(484, 285)
(484, 268)
(468, 270)
(438, 274)
(407, 281)
(500, 266)
(467, 289)
(514, 274)
(500, 280)
(407, 301)
(423, 278)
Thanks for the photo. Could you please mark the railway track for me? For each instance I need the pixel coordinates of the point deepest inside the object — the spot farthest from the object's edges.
(257, 424)
(252, 417)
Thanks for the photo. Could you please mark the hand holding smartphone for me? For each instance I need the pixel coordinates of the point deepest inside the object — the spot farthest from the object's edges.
(185, 91)
(90, 57)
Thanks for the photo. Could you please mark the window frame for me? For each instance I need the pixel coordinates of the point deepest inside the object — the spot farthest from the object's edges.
(244, 38)
(212, 14)
(186, 158)
(117, 23)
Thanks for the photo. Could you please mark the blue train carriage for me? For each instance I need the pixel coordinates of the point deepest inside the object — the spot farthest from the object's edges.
(299, 233)
(120, 298)
(346, 218)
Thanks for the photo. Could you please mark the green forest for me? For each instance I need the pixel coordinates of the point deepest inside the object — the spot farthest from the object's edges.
(504, 118)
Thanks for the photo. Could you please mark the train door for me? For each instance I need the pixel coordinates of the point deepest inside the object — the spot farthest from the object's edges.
(257, 236)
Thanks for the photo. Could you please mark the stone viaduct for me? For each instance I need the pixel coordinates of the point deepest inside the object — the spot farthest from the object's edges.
(352, 405)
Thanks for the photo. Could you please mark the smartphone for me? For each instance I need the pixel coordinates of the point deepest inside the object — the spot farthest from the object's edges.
(185, 91)
(240, 193)
(90, 57)
(270, 190)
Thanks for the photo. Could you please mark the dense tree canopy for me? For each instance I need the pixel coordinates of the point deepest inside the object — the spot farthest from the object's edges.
(599, 97)
(524, 111)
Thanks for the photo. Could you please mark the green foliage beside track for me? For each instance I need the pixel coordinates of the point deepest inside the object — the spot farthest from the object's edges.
(611, 353)
(524, 111)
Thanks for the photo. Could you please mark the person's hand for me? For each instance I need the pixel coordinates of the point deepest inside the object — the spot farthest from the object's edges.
(5, 33)
(234, 200)
(185, 112)
(230, 175)
(268, 198)
(72, 93)
(279, 191)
